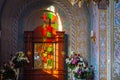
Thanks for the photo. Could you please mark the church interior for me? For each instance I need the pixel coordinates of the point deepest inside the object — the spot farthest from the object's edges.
(59, 39)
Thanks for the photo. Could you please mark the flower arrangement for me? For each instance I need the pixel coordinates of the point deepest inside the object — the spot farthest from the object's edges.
(19, 60)
(10, 70)
(78, 66)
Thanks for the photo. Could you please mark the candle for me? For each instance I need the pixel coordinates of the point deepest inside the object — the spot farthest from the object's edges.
(59, 22)
(92, 33)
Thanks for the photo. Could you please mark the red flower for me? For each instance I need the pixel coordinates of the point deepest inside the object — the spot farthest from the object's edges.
(85, 67)
(78, 54)
(80, 65)
(67, 57)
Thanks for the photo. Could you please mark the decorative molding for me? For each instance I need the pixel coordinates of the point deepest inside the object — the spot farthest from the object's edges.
(103, 4)
(110, 38)
(103, 44)
(116, 42)
(117, 14)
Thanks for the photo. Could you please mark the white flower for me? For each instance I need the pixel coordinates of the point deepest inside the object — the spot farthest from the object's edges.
(80, 63)
(81, 59)
(76, 69)
(72, 52)
(68, 60)
(2, 70)
(86, 69)
(83, 64)
(26, 59)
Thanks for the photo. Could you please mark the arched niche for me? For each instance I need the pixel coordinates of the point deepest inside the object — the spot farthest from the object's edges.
(44, 46)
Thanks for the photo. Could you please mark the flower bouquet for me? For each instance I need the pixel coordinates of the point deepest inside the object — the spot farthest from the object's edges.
(8, 72)
(83, 73)
(79, 68)
(72, 61)
(19, 60)
(11, 69)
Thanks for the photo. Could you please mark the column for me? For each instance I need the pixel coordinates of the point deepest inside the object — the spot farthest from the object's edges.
(103, 38)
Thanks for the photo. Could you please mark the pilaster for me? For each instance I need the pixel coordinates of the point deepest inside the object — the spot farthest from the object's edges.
(103, 38)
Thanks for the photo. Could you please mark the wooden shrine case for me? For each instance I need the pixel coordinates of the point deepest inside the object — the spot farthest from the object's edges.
(45, 55)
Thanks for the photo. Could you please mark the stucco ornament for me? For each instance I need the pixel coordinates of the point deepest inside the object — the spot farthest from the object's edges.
(117, 60)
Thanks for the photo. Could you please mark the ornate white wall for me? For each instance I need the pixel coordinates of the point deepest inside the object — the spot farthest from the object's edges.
(116, 44)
